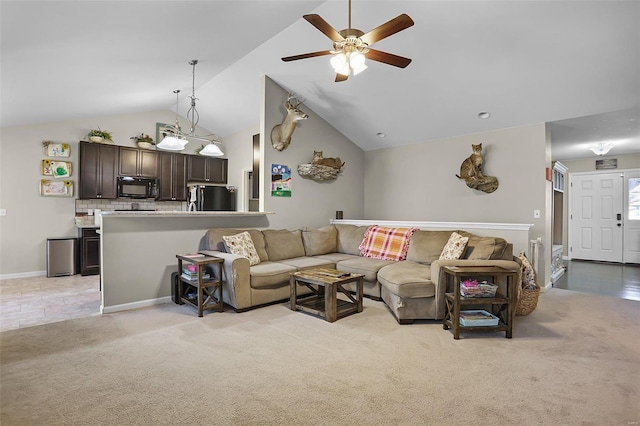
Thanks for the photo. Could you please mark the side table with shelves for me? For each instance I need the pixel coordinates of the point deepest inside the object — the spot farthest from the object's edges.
(208, 291)
(502, 305)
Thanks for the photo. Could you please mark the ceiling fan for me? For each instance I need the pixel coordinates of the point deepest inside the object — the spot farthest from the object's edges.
(351, 46)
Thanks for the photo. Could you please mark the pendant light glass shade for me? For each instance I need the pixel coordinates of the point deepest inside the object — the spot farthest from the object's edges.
(212, 150)
(172, 143)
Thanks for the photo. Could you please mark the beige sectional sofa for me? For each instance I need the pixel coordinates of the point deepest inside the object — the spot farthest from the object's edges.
(412, 289)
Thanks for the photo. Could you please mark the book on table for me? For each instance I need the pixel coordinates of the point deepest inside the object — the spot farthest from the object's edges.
(478, 318)
(193, 277)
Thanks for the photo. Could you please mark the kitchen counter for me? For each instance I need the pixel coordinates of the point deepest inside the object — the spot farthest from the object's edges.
(134, 213)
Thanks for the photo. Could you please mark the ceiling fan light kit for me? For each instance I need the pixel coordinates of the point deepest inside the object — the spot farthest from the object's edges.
(176, 139)
(351, 45)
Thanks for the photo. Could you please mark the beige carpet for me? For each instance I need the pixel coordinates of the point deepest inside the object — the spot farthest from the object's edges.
(575, 360)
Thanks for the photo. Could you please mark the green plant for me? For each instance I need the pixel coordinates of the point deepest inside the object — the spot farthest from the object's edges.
(101, 133)
(143, 137)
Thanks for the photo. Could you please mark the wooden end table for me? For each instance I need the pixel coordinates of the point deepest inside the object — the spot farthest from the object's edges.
(503, 306)
(209, 291)
(325, 284)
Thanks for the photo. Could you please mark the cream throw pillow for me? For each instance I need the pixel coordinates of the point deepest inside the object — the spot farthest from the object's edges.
(242, 245)
(454, 247)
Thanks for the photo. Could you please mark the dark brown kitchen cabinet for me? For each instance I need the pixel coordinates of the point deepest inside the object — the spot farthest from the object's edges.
(89, 251)
(138, 162)
(207, 169)
(98, 170)
(172, 173)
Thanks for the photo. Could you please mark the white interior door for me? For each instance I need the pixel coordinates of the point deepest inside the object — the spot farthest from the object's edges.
(595, 216)
(632, 217)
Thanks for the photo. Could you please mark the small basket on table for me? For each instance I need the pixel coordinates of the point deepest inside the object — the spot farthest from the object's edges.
(474, 288)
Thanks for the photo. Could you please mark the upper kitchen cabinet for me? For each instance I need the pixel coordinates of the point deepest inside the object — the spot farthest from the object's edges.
(207, 169)
(98, 170)
(138, 162)
(172, 173)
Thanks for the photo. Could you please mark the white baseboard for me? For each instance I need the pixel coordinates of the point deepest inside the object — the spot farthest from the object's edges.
(135, 305)
(547, 287)
(23, 275)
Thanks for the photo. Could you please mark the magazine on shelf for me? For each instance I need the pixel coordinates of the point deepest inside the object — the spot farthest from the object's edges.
(195, 277)
(478, 318)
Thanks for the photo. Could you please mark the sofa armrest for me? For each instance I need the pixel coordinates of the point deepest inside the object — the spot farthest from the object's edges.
(236, 286)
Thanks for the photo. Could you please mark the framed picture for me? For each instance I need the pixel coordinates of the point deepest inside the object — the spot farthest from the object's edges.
(52, 149)
(160, 131)
(280, 180)
(56, 188)
(57, 169)
(609, 163)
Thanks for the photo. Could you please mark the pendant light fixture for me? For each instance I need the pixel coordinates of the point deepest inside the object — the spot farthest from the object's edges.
(176, 139)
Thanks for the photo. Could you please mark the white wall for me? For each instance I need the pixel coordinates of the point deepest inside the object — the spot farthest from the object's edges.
(418, 182)
(311, 203)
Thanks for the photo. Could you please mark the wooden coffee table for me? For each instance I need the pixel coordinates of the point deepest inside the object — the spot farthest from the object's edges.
(325, 283)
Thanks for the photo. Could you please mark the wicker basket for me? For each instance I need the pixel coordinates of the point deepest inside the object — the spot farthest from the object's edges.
(527, 302)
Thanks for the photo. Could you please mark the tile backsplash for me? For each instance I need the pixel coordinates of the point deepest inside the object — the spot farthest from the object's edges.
(83, 206)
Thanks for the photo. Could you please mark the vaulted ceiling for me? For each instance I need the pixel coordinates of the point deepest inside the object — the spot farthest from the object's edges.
(573, 64)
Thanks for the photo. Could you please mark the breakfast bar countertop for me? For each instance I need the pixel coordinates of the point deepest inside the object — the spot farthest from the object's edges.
(135, 213)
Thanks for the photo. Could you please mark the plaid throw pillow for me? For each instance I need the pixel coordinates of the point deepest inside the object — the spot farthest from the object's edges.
(386, 243)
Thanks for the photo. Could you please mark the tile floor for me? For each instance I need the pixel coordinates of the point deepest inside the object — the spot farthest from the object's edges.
(25, 302)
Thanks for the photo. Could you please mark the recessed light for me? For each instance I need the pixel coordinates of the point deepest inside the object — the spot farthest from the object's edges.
(484, 115)
(381, 135)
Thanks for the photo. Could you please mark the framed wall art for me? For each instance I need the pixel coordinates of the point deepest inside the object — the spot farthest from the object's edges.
(56, 188)
(52, 149)
(280, 180)
(57, 169)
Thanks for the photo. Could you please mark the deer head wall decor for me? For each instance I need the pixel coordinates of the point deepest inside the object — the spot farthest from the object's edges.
(281, 133)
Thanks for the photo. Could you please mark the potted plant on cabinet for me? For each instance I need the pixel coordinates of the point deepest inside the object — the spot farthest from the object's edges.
(143, 140)
(99, 135)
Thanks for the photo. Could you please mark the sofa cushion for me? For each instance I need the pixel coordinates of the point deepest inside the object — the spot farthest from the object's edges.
(349, 238)
(337, 257)
(363, 265)
(270, 274)
(306, 262)
(386, 243)
(454, 247)
(426, 246)
(320, 241)
(483, 248)
(242, 245)
(214, 240)
(407, 279)
(283, 243)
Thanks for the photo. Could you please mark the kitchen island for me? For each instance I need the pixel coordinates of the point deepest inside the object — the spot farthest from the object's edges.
(138, 251)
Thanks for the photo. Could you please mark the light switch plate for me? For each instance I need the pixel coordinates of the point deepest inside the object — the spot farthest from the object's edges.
(3, 212)
(536, 214)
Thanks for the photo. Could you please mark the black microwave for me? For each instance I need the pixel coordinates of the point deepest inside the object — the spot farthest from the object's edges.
(133, 187)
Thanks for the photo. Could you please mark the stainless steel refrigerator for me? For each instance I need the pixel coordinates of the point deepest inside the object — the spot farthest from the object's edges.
(212, 198)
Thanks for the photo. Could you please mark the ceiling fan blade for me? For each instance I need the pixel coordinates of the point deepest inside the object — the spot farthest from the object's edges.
(341, 77)
(388, 58)
(306, 55)
(397, 24)
(323, 26)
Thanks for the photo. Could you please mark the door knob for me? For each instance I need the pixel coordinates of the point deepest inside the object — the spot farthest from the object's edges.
(619, 224)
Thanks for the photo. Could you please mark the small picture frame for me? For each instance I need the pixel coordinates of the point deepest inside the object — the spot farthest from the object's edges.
(56, 188)
(57, 169)
(160, 131)
(52, 149)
